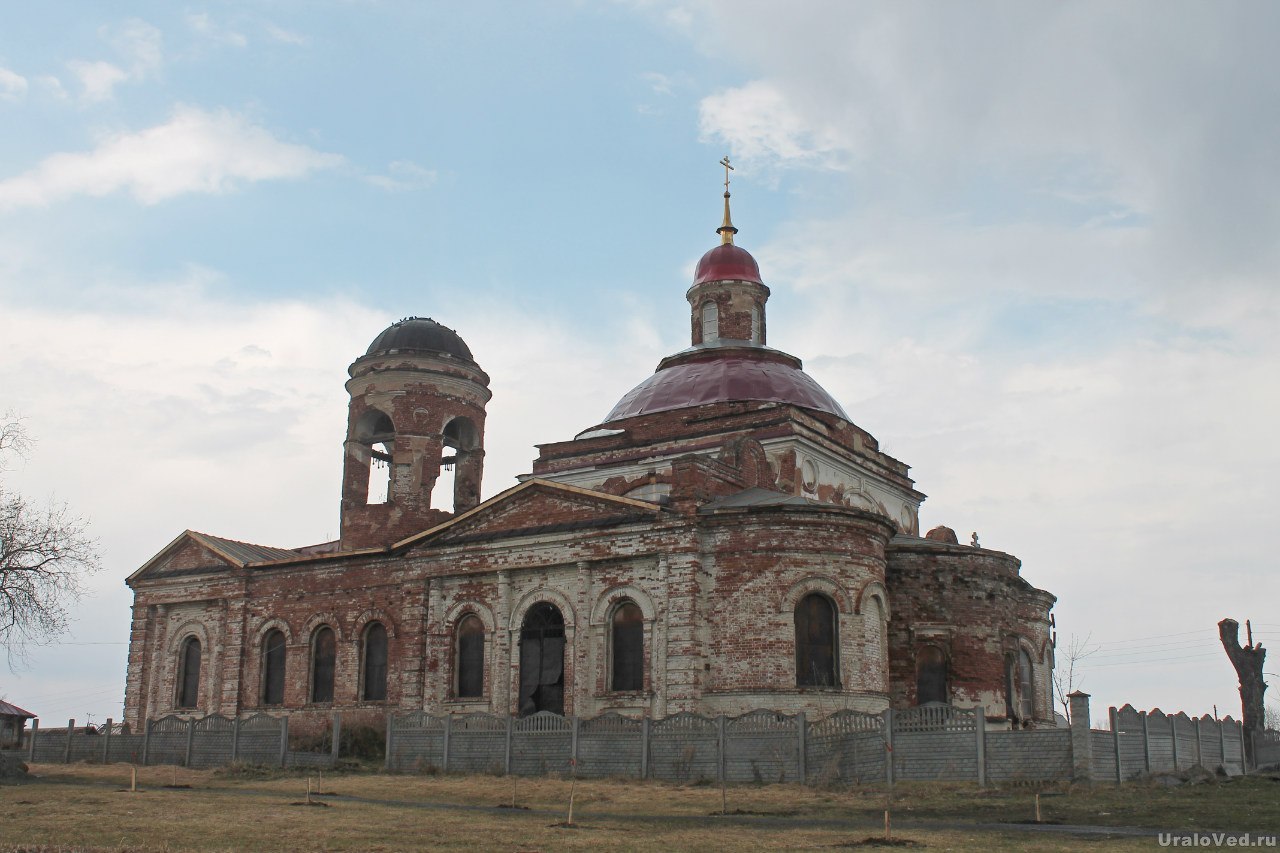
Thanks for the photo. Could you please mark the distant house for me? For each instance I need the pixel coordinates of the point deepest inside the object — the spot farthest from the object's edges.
(12, 721)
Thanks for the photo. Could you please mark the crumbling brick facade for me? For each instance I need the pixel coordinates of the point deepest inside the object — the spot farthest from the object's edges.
(771, 549)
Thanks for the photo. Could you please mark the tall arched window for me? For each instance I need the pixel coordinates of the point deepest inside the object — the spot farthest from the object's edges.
(542, 641)
(710, 323)
(189, 674)
(324, 654)
(470, 657)
(628, 647)
(374, 664)
(931, 675)
(756, 337)
(273, 646)
(1026, 686)
(815, 641)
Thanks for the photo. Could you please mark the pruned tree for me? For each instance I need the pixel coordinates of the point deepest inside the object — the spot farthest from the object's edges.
(1248, 661)
(45, 555)
(1066, 675)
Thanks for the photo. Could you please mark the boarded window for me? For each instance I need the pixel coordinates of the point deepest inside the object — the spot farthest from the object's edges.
(470, 665)
(374, 664)
(931, 675)
(815, 642)
(542, 660)
(324, 653)
(273, 646)
(1026, 686)
(628, 647)
(756, 336)
(710, 323)
(189, 676)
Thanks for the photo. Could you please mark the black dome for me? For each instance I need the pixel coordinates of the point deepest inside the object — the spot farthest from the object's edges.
(420, 334)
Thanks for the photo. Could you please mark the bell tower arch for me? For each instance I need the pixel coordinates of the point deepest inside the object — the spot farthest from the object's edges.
(417, 412)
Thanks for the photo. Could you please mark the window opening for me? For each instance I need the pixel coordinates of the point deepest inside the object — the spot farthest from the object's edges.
(324, 655)
(470, 657)
(628, 647)
(931, 675)
(710, 323)
(375, 663)
(189, 680)
(755, 324)
(815, 642)
(381, 440)
(273, 663)
(542, 641)
(1026, 686)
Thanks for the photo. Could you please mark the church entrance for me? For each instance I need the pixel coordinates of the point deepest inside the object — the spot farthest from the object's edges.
(542, 660)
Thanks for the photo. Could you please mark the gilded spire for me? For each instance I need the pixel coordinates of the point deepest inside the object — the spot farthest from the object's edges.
(726, 228)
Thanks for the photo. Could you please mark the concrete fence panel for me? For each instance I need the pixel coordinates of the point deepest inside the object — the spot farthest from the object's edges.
(610, 745)
(415, 741)
(540, 744)
(846, 748)
(762, 746)
(478, 743)
(684, 748)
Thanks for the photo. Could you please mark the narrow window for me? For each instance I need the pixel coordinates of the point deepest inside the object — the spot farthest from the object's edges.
(273, 668)
(189, 677)
(931, 675)
(710, 323)
(755, 324)
(1026, 686)
(542, 642)
(381, 440)
(815, 642)
(470, 665)
(324, 653)
(374, 664)
(628, 647)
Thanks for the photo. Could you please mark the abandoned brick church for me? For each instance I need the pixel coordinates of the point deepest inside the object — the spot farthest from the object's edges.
(726, 539)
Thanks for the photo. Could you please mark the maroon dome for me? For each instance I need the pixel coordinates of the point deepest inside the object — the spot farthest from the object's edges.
(697, 383)
(727, 262)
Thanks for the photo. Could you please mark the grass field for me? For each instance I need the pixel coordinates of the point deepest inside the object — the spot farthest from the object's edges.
(90, 807)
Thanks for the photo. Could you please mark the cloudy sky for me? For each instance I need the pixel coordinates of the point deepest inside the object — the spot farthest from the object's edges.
(1029, 246)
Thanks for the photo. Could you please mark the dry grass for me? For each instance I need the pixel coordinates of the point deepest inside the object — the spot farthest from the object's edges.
(89, 807)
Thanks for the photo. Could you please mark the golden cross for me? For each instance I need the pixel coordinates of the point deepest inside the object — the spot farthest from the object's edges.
(727, 168)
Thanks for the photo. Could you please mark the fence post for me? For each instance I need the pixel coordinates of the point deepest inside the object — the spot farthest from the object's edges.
(235, 740)
(191, 737)
(284, 741)
(573, 742)
(146, 740)
(721, 777)
(645, 725)
(391, 725)
(801, 768)
(506, 758)
(1173, 732)
(980, 725)
(448, 729)
(1081, 737)
(31, 748)
(1199, 745)
(335, 746)
(1244, 756)
(1114, 717)
(66, 755)
(1146, 743)
(888, 745)
(1222, 744)
(106, 744)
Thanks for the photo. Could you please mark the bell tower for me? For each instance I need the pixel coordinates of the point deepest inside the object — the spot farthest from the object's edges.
(414, 451)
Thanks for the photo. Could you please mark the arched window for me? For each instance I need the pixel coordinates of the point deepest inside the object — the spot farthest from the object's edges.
(1026, 687)
(815, 642)
(377, 431)
(628, 647)
(470, 657)
(189, 674)
(542, 640)
(931, 675)
(273, 646)
(710, 323)
(756, 337)
(324, 654)
(374, 664)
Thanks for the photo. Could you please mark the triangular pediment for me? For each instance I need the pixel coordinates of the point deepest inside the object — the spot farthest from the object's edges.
(189, 553)
(535, 506)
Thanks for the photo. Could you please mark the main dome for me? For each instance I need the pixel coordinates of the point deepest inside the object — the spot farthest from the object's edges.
(722, 379)
(420, 334)
(727, 262)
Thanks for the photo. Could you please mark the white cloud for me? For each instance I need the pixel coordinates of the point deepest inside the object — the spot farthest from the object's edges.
(280, 34)
(13, 86)
(195, 151)
(139, 45)
(659, 83)
(202, 24)
(53, 86)
(404, 175)
(759, 124)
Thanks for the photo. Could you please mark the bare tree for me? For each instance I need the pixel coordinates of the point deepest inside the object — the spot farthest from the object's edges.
(45, 554)
(1066, 677)
(1248, 661)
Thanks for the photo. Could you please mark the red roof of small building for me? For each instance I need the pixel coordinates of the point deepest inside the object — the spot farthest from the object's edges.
(7, 710)
(727, 262)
